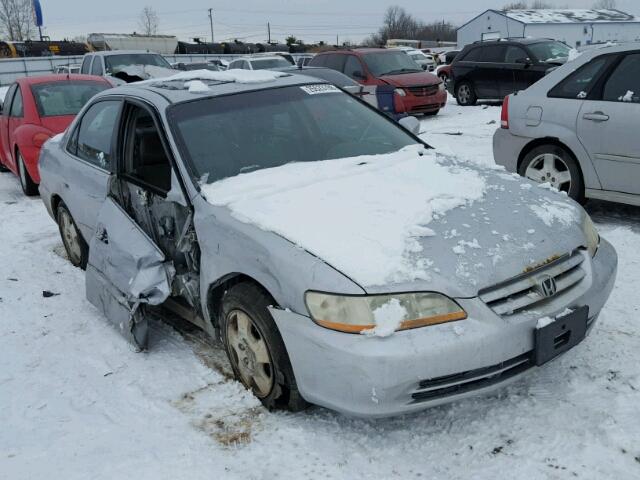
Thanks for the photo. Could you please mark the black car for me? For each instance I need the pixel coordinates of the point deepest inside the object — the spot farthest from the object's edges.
(495, 69)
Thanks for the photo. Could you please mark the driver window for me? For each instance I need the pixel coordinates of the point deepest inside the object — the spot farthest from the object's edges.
(145, 157)
(352, 65)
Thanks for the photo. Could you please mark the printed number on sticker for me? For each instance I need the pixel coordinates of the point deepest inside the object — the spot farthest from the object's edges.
(317, 89)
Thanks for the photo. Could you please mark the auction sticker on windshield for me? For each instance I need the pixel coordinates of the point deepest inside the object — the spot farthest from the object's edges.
(317, 89)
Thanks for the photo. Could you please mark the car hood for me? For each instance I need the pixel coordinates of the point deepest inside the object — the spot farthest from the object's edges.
(412, 220)
(410, 79)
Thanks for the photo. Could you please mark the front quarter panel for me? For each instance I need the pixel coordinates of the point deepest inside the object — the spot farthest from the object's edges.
(230, 247)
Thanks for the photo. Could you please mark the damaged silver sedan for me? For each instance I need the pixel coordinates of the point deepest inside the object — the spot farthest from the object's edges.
(341, 261)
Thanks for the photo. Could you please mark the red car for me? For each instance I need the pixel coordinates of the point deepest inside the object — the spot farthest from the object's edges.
(34, 110)
(416, 91)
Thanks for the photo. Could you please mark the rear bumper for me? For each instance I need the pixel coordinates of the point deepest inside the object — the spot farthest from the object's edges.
(507, 148)
(425, 367)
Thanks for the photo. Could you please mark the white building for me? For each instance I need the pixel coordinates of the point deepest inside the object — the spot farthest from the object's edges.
(574, 27)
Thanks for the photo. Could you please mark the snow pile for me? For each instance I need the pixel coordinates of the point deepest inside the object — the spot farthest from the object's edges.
(197, 86)
(574, 54)
(358, 214)
(234, 75)
(544, 322)
(628, 97)
(551, 212)
(388, 318)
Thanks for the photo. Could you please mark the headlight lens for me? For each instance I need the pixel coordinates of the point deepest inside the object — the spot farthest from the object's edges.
(357, 314)
(400, 92)
(591, 234)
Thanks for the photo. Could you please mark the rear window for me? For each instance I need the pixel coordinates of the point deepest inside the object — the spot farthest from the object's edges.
(474, 55)
(266, 63)
(64, 98)
(578, 85)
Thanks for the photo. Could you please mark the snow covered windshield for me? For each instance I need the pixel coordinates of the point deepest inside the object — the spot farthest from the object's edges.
(225, 136)
(115, 63)
(550, 51)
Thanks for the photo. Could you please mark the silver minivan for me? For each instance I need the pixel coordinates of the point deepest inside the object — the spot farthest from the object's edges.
(577, 128)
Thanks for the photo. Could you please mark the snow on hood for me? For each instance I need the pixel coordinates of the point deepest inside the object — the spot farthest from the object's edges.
(363, 215)
(233, 75)
(144, 72)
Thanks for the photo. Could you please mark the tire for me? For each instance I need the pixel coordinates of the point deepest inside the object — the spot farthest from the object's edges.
(75, 246)
(258, 357)
(466, 94)
(29, 187)
(555, 165)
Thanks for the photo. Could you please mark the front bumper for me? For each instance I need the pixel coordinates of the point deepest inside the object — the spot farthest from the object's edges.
(413, 104)
(425, 367)
(507, 148)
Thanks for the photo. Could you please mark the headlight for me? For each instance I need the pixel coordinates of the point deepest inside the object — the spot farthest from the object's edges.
(441, 87)
(357, 314)
(591, 234)
(400, 92)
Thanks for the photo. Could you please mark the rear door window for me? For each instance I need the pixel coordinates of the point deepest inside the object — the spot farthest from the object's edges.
(335, 62)
(494, 54)
(474, 55)
(579, 84)
(624, 83)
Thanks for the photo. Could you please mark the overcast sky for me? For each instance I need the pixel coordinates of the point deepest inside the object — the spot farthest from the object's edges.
(310, 20)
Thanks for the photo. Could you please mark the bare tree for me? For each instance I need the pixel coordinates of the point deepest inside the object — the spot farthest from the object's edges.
(398, 23)
(540, 5)
(515, 6)
(16, 19)
(606, 4)
(148, 21)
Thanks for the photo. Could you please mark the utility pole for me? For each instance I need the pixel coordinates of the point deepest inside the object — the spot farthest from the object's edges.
(211, 22)
(269, 32)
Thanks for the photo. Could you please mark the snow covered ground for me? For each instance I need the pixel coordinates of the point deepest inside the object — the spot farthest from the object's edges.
(76, 402)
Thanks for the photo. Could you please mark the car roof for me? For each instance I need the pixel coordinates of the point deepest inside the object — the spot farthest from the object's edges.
(518, 40)
(357, 51)
(121, 52)
(60, 77)
(175, 91)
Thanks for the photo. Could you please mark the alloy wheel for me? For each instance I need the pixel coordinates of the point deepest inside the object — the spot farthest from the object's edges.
(249, 353)
(552, 169)
(464, 94)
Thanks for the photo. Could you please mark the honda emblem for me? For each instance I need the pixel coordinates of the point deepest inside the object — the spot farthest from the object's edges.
(547, 286)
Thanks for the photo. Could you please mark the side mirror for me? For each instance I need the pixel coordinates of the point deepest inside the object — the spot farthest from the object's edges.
(359, 74)
(410, 123)
(524, 61)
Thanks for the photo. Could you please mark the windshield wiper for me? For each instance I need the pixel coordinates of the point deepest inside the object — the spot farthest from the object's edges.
(402, 70)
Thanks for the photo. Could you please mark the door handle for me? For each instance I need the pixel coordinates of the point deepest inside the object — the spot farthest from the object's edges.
(596, 117)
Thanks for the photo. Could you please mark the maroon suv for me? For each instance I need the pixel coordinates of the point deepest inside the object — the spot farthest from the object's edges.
(416, 91)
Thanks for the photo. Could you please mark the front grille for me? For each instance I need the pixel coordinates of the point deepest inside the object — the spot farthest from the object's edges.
(471, 380)
(423, 90)
(523, 292)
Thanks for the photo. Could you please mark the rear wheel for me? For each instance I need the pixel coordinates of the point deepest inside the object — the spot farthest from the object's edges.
(553, 164)
(75, 246)
(29, 187)
(255, 348)
(466, 94)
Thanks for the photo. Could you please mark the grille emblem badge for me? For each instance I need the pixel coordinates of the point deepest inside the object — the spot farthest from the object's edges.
(547, 286)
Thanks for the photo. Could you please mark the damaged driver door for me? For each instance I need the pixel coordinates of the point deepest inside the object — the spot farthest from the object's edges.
(126, 272)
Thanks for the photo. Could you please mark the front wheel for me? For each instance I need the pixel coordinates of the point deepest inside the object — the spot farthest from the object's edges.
(466, 94)
(554, 165)
(29, 187)
(255, 348)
